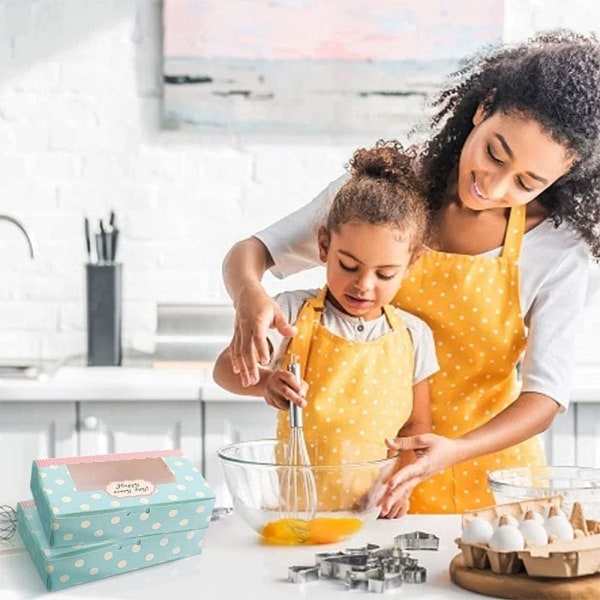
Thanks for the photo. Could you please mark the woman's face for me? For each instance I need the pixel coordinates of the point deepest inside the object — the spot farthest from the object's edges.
(508, 160)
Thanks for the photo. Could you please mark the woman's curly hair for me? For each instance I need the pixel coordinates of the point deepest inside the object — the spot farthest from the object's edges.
(383, 189)
(553, 78)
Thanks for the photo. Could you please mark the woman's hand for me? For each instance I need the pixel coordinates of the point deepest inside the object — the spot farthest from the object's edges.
(434, 453)
(281, 388)
(256, 311)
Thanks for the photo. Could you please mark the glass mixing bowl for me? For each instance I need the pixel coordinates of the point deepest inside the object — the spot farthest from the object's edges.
(347, 479)
(574, 484)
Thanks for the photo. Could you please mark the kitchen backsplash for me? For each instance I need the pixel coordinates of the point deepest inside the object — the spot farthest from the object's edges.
(80, 123)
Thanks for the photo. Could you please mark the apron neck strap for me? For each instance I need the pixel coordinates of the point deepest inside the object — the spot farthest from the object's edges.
(513, 239)
(393, 318)
(308, 317)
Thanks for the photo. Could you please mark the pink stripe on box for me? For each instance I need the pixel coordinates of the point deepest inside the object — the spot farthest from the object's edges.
(75, 460)
(27, 503)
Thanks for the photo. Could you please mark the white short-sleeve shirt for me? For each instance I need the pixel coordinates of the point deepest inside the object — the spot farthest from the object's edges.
(356, 328)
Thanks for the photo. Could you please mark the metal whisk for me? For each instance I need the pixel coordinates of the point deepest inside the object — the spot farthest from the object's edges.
(8, 522)
(298, 488)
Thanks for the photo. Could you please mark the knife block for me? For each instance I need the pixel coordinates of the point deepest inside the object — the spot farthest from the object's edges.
(104, 314)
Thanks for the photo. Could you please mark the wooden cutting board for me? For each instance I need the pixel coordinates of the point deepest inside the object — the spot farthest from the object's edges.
(523, 587)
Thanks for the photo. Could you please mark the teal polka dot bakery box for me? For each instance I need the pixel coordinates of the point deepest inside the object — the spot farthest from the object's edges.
(64, 567)
(131, 502)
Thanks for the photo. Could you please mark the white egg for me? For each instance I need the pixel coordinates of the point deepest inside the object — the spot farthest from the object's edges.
(477, 531)
(506, 520)
(507, 538)
(559, 526)
(534, 532)
(533, 514)
(555, 511)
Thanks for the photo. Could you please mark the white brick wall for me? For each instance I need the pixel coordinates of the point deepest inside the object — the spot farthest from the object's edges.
(80, 111)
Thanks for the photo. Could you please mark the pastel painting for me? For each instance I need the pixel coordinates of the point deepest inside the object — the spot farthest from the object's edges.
(327, 67)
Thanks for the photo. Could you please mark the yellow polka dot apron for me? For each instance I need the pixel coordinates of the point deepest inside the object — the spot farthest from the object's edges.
(358, 394)
(473, 307)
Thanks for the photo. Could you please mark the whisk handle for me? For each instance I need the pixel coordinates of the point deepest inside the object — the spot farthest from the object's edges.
(295, 415)
(295, 410)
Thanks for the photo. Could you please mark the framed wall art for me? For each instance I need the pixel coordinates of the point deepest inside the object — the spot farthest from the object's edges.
(328, 67)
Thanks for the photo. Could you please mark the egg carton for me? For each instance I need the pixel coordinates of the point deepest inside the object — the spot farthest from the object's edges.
(560, 558)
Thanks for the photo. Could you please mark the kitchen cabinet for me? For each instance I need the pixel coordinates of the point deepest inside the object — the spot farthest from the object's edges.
(137, 426)
(30, 430)
(226, 422)
(574, 438)
(587, 438)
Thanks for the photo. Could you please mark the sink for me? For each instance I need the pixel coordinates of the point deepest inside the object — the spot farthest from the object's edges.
(20, 371)
(28, 369)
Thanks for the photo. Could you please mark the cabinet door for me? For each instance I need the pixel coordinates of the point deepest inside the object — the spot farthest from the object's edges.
(31, 430)
(559, 439)
(587, 425)
(229, 422)
(137, 426)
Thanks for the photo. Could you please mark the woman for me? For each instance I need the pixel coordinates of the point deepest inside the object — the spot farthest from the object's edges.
(513, 177)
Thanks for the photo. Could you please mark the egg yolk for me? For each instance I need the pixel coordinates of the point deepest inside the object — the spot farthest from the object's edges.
(324, 530)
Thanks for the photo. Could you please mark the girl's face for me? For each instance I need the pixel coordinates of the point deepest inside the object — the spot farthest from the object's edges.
(508, 160)
(365, 266)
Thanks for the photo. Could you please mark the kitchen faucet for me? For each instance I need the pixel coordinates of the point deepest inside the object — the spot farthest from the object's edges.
(22, 228)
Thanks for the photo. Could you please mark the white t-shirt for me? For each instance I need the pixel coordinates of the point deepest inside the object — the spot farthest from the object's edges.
(554, 276)
(356, 328)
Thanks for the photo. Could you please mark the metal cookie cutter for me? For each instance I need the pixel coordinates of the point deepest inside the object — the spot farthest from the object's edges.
(415, 575)
(384, 581)
(302, 574)
(359, 576)
(325, 562)
(372, 567)
(368, 549)
(417, 540)
(344, 564)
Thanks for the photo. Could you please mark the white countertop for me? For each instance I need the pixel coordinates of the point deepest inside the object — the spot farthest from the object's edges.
(234, 564)
(138, 379)
(140, 382)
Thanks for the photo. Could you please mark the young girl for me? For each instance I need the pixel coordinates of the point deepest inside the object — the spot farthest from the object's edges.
(365, 364)
(513, 178)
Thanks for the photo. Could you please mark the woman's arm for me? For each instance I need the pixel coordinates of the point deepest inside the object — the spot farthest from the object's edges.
(243, 268)
(530, 414)
(290, 246)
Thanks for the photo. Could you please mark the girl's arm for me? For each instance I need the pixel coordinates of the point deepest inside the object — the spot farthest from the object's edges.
(224, 376)
(395, 503)
(277, 387)
(420, 418)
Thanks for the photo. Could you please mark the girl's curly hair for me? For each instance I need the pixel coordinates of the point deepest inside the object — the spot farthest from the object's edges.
(383, 189)
(553, 78)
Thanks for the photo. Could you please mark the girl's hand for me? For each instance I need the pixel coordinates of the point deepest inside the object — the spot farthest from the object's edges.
(281, 388)
(255, 313)
(434, 453)
(394, 505)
